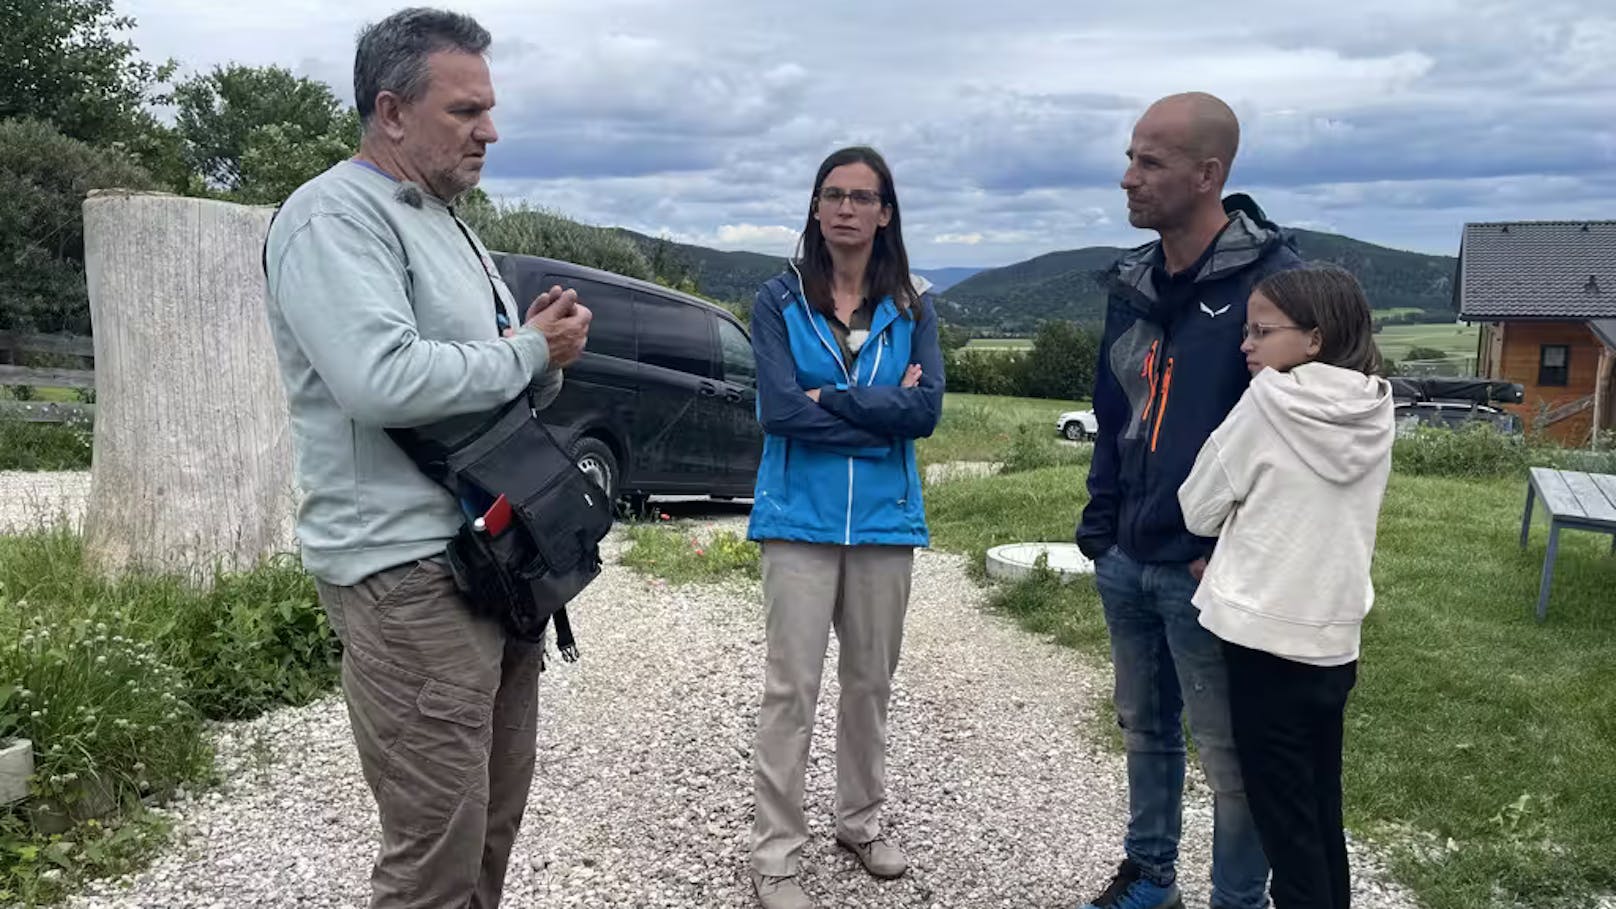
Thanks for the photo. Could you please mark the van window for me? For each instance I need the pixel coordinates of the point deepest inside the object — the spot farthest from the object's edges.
(611, 331)
(675, 335)
(740, 366)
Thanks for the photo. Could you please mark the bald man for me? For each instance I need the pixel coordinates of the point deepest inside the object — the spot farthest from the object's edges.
(1170, 369)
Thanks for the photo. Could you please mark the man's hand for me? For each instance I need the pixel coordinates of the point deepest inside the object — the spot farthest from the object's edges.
(550, 298)
(813, 395)
(563, 321)
(1197, 568)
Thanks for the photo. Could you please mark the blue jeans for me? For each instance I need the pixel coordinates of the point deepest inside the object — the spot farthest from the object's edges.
(1165, 661)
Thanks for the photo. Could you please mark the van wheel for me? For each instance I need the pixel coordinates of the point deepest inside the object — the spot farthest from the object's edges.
(1074, 431)
(596, 460)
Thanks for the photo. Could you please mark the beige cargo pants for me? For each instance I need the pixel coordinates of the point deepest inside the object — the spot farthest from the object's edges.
(444, 713)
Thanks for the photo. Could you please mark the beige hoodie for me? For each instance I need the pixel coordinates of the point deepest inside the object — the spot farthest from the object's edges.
(1291, 484)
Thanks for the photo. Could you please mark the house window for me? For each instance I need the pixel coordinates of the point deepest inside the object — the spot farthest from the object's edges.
(1553, 365)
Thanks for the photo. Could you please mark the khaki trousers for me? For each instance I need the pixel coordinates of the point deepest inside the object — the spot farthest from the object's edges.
(445, 716)
(862, 592)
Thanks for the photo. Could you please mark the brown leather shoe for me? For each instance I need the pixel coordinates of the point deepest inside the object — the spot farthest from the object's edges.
(879, 857)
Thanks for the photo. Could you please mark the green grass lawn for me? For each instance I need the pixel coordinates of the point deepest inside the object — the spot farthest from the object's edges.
(999, 344)
(1481, 746)
(1396, 341)
(58, 395)
(982, 427)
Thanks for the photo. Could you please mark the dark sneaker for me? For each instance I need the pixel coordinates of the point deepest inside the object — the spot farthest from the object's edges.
(1130, 889)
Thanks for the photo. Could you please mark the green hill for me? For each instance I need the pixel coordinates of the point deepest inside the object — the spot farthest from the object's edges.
(732, 276)
(1070, 284)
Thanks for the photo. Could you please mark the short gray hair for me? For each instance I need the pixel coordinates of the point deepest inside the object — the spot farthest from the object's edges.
(392, 53)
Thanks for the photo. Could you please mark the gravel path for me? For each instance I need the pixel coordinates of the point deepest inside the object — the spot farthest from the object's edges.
(30, 500)
(999, 788)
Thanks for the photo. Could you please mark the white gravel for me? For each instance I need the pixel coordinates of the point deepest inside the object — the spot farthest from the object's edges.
(30, 500)
(999, 787)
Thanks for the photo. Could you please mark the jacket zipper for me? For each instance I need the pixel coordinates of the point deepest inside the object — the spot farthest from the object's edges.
(1149, 371)
(847, 531)
(1166, 389)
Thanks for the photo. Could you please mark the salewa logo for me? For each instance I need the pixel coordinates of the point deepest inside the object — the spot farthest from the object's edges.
(1208, 310)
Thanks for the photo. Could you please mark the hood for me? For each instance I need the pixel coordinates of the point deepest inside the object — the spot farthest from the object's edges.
(1248, 236)
(1338, 421)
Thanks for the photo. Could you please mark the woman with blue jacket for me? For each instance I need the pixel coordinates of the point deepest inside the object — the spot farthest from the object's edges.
(849, 375)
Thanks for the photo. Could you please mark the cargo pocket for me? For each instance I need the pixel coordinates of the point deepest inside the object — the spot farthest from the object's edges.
(440, 761)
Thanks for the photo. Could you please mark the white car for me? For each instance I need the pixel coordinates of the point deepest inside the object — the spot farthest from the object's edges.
(1077, 425)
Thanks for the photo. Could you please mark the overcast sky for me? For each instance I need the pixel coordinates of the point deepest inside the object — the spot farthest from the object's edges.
(1005, 121)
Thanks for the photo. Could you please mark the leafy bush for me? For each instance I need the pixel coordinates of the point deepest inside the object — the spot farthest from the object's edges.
(985, 372)
(1062, 362)
(1476, 451)
(44, 177)
(526, 230)
(1033, 447)
(44, 446)
(1059, 365)
(1479, 451)
(107, 716)
(254, 642)
(112, 681)
(1425, 353)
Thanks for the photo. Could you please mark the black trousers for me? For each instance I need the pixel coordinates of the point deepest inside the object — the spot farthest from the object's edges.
(1288, 723)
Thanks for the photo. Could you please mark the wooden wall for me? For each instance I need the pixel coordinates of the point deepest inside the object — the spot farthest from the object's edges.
(1520, 354)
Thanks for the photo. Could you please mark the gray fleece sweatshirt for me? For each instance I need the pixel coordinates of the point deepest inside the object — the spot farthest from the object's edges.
(382, 315)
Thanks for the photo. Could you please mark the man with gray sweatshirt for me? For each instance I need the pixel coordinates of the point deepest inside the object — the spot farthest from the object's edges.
(386, 311)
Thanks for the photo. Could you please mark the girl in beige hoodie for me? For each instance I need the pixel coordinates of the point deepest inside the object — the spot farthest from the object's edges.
(1291, 484)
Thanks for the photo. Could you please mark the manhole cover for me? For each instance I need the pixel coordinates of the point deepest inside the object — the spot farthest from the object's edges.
(1016, 560)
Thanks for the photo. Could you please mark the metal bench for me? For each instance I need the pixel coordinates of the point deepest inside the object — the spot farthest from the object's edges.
(1574, 500)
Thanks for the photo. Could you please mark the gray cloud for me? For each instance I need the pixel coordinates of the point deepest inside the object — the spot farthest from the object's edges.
(1005, 123)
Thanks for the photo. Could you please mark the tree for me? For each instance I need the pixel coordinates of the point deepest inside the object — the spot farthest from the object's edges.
(526, 230)
(279, 158)
(671, 268)
(44, 177)
(62, 61)
(258, 133)
(1062, 362)
(952, 337)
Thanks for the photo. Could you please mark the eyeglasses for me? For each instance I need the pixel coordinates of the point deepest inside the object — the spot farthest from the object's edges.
(1263, 331)
(832, 196)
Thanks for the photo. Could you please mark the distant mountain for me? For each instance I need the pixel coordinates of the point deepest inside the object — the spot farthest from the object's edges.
(736, 276)
(943, 278)
(733, 276)
(1392, 278)
(1071, 284)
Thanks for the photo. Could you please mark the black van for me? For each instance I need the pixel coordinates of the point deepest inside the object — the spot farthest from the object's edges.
(664, 400)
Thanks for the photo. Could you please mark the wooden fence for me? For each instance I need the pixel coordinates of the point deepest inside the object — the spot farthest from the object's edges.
(15, 348)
